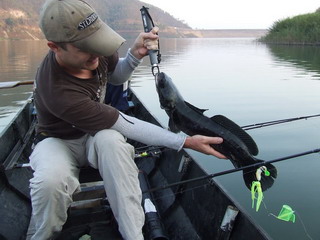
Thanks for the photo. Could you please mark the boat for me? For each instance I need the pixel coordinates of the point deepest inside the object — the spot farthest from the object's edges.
(189, 210)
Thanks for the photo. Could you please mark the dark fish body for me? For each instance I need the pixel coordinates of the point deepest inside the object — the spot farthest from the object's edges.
(237, 145)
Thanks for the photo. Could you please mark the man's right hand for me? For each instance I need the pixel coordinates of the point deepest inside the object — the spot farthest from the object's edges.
(202, 144)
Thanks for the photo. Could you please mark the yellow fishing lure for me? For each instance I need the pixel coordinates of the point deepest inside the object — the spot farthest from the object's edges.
(256, 193)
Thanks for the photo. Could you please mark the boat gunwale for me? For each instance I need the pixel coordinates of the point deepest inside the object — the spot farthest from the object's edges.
(19, 124)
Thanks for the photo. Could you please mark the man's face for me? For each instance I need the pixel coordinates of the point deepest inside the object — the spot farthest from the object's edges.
(76, 59)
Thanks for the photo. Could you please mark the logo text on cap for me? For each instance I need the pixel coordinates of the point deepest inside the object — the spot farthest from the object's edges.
(88, 21)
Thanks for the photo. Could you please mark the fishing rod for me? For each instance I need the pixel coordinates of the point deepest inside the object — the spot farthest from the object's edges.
(15, 83)
(275, 122)
(255, 165)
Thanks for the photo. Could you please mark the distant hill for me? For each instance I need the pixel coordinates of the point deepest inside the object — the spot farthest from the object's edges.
(19, 18)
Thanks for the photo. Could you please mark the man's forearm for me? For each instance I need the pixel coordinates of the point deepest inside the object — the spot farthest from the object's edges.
(124, 69)
(148, 133)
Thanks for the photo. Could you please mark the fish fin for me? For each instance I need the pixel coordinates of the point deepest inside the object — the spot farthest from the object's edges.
(173, 127)
(199, 110)
(249, 175)
(238, 131)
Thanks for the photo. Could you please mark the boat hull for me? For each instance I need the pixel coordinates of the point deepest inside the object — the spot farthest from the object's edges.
(195, 210)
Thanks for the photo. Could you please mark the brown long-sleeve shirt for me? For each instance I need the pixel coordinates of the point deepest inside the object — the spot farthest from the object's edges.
(67, 106)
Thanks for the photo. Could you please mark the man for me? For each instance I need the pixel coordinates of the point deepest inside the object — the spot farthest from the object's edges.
(76, 128)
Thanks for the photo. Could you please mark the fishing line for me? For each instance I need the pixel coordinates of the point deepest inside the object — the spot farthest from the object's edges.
(294, 212)
(300, 219)
(304, 226)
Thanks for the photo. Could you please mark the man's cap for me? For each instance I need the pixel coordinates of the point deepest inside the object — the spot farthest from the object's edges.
(76, 22)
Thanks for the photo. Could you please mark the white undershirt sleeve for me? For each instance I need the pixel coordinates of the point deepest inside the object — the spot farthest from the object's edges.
(124, 69)
(148, 133)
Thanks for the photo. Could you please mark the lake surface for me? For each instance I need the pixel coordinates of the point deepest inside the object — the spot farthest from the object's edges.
(247, 82)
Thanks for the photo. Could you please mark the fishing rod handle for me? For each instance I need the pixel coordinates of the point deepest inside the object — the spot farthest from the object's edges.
(148, 25)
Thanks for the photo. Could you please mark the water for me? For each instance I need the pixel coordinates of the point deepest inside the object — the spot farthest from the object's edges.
(18, 61)
(246, 81)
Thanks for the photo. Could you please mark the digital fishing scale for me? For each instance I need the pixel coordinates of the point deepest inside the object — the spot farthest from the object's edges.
(155, 56)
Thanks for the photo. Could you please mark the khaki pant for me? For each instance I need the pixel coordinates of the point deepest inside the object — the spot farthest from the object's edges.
(56, 165)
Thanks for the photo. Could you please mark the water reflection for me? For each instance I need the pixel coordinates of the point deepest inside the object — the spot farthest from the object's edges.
(301, 57)
(11, 100)
(20, 59)
(244, 81)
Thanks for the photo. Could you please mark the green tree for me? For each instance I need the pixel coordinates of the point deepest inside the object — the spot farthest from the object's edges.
(10, 22)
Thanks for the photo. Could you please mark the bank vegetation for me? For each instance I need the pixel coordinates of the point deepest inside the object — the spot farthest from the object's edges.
(299, 30)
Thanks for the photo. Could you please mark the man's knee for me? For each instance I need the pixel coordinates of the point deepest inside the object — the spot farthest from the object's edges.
(109, 138)
(53, 183)
(109, 144)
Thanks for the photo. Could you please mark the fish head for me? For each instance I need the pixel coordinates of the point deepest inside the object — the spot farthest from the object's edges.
(167, 91)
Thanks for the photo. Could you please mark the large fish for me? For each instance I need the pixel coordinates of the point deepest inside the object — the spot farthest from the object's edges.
(238, 146)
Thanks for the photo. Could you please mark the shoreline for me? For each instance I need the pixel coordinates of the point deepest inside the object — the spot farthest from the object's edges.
(169, 32)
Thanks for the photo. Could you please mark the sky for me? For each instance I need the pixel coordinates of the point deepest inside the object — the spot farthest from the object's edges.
(234, 14)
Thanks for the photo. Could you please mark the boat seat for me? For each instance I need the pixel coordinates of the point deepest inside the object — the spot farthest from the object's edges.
(91, 187)
(90, 190)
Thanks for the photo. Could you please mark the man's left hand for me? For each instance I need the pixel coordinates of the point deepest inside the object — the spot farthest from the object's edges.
(145, 42)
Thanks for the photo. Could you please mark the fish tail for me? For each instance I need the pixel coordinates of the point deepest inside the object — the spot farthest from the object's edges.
(266, 175)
